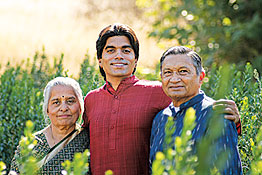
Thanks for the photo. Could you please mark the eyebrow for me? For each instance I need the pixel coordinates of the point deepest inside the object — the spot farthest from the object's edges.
(54, 99)
(72, 97)
(107, 47)
(124, 46)
(168, 67)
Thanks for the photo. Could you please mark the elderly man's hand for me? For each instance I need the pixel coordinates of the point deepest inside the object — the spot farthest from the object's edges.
(229, 108)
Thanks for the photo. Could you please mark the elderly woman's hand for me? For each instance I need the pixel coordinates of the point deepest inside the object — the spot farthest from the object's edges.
(229, 108)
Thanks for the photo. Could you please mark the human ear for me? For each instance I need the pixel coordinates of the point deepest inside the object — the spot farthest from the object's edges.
(100, 62)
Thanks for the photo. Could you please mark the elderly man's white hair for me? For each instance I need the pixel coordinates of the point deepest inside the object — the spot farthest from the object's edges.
(65, 81)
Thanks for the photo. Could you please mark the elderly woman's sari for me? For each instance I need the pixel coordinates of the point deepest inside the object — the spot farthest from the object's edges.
(50, 159)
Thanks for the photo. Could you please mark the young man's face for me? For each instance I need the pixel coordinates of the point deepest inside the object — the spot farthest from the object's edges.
(118, 58)
(179, 79)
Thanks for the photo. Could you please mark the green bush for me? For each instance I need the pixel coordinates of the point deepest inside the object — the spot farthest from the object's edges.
(245, 89)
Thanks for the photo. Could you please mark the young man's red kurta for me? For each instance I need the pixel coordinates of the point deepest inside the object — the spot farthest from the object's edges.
(120, 125)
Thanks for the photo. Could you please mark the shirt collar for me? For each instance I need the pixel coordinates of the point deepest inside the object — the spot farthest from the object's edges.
(173, 108)
(191, 102)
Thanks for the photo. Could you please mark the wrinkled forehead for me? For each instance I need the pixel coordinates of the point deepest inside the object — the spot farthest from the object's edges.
(177, 60)
(62, 91)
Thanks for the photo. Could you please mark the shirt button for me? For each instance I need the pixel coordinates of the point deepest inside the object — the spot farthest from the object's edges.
(115, 96)
(112, 127)
(114, 111)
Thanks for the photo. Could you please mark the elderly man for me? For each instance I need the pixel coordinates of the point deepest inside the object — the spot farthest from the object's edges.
(182, 75)
(120, 113)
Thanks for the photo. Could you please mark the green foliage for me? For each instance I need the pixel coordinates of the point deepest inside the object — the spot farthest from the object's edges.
(78, 166)
(257, 162)
(89, 77)
(26, 161)
(149, 74)
(245, 90)
(219, 30)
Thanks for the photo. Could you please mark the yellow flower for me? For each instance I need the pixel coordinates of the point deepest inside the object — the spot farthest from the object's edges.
(259, 163)
(2, 165)
(38, 93)
(160, 156)
(109, 172)
(29, 124)
(252, 142)
(190, 116)
(226, 21)
(178, 141)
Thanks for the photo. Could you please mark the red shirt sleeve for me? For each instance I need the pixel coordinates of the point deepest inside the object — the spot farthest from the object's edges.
(239, 129)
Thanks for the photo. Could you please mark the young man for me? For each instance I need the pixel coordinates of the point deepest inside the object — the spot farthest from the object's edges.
(120, 113)
(182, 75)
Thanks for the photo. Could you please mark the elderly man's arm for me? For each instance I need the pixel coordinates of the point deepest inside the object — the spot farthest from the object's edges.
(230, 111)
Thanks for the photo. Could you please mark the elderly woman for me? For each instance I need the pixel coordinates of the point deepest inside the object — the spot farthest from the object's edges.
(63, 137)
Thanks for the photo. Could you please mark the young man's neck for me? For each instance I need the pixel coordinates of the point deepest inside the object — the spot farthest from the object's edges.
(115, 81)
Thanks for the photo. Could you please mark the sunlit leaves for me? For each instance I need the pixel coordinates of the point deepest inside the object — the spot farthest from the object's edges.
(235, 26)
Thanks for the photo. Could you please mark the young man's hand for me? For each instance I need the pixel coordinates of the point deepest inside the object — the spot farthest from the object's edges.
(229, 108)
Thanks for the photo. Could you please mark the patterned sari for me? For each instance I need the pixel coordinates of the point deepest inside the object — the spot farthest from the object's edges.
(50, 162)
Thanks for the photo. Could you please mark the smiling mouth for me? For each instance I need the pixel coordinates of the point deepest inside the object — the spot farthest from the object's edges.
(118, 64)
(176, 87)
(63, 116)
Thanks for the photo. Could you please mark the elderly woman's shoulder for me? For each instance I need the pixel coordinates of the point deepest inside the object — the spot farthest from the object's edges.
(41, 132)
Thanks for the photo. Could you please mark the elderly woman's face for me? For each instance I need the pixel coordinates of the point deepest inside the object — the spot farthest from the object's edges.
(63, 107)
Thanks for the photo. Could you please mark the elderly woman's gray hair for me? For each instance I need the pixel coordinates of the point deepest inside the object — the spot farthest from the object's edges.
(65, 81)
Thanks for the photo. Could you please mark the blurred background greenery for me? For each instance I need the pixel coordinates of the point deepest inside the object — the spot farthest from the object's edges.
(221, 31)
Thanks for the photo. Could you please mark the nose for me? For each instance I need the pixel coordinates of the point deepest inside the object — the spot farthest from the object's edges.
(175, 78)
(118, 54)
(64, 107)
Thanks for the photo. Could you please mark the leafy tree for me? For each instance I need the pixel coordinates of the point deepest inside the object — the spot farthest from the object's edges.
(227, 30)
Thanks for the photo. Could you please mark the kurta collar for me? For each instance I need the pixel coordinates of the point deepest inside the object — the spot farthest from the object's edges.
(124, 83)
